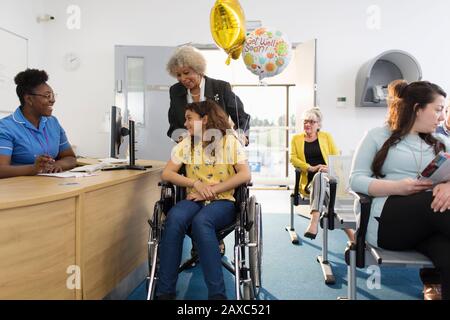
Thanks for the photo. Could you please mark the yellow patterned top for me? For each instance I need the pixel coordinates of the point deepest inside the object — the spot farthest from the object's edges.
(212, 164)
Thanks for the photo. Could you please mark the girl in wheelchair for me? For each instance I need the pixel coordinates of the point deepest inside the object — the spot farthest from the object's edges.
(215, 164)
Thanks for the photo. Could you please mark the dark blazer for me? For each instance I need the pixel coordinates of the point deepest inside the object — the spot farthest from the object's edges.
(216, 90)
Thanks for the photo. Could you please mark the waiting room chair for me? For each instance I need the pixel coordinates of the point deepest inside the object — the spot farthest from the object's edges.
(361, 254)
(296, 199)
(337, 210)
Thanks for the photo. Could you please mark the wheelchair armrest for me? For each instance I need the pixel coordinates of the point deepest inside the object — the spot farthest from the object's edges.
(166, 184)
(241, 194)
(167, 199)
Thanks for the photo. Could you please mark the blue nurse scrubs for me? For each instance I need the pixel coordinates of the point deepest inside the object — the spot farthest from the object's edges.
(24, 142)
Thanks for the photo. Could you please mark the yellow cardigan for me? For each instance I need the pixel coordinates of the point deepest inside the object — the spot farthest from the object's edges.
(297, 157)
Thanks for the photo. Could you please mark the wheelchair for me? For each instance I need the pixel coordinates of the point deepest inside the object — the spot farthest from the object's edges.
(248, 243)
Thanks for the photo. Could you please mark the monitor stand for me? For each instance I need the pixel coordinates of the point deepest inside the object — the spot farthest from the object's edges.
(127, 167)
(132, 164)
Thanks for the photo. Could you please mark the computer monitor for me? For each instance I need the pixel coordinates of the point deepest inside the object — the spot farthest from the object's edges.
(118, 132)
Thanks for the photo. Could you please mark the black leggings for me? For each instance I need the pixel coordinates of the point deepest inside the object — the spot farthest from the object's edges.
(409, 223)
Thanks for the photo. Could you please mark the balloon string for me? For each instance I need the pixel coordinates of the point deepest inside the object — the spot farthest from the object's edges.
(239, 132)
(228, 60)
(237, 112)
(231, 51)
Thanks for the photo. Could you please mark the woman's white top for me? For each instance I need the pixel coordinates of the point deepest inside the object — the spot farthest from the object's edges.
(202, 92)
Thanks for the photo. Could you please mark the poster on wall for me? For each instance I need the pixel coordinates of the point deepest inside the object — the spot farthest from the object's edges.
(13, 59)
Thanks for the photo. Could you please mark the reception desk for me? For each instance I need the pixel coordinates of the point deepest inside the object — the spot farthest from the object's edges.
(74, 238)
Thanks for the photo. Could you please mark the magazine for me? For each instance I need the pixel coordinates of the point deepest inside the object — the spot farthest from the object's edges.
(438, 170)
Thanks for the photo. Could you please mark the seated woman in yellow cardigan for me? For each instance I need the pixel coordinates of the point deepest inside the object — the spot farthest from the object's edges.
(309, 153)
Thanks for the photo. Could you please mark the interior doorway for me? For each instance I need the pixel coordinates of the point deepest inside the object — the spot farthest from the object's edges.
(272, 123)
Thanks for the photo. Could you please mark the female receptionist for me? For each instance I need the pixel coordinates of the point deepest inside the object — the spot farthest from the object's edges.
(31, 140)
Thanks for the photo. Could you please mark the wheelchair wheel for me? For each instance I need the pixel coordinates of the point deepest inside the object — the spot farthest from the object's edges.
(155, 230)
(255, 236)
(153, 242)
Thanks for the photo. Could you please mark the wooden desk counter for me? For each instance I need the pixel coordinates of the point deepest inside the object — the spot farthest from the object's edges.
(50, 225)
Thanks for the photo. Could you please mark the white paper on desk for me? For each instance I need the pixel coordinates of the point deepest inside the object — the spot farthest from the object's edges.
(67, 174)
(113, 160)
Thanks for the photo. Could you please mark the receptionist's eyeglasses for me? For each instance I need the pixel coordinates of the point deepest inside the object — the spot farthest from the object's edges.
(311, 122)
(48, 96)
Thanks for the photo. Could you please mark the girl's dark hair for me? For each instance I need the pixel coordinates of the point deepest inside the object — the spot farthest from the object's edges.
(27, 81)
(411, 98)
(217, 118)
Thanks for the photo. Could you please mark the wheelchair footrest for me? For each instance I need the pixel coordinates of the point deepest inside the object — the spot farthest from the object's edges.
(189, 264)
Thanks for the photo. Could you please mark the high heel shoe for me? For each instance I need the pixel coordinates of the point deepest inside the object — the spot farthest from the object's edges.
(313, 225)
(310, 235)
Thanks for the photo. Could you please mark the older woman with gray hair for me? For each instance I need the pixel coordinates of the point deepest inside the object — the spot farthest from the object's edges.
(188, 66)
(309, 153)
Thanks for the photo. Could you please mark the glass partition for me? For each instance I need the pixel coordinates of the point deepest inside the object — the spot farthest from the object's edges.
(136, 89)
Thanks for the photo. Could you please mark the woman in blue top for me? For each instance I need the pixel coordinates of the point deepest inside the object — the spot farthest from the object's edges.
(407, 213)
(31, 140)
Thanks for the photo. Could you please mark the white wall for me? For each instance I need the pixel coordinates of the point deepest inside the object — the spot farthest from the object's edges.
(85, 95)
(344, 44)
(19, 16)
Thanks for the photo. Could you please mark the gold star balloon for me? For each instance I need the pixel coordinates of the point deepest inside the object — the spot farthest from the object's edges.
(228, 27)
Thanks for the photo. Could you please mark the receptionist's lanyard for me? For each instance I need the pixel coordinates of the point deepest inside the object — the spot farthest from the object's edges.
(45, 149)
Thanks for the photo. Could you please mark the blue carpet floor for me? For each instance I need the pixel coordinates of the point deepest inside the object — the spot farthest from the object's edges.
(291, 272)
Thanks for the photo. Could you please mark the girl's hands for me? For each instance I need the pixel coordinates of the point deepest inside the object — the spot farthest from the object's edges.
(205, 191)
(195, 196)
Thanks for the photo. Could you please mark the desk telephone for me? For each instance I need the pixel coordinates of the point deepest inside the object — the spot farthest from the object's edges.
(380, 93)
